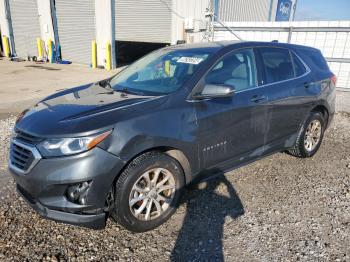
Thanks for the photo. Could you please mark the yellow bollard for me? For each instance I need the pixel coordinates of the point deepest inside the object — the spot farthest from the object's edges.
(40, 48)
(5, 41)
(49, 48)
(94, 54)
(108, 57)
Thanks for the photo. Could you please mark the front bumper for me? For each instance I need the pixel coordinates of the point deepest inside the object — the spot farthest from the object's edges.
(96, 221)
(45, 186)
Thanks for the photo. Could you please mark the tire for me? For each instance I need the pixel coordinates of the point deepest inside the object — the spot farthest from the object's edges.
(301, 149)
(132, 185)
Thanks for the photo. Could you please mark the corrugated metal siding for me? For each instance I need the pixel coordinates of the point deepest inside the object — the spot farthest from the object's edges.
(26, 28)
(143, 20)
(76, 29)
(244, 10)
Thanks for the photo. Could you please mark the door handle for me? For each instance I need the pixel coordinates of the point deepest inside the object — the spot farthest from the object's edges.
(307, 85)
(257, 99)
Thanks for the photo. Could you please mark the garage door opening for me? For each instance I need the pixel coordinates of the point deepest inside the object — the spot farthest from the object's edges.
(128, 52)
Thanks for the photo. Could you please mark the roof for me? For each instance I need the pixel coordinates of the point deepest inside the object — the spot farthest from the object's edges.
(215, 46)
(203, 45)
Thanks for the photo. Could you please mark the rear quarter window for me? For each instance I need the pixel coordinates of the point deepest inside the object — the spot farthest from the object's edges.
(316, 59)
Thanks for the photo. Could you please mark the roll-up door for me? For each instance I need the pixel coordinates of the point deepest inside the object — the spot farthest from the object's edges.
(26, 27)
(76, 29)
(143, 20)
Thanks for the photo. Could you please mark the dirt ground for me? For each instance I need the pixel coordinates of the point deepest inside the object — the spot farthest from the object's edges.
(280, 208)
(24, 83)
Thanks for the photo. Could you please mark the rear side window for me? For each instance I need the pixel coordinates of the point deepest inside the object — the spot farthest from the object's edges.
(277, 64)
(299, 67)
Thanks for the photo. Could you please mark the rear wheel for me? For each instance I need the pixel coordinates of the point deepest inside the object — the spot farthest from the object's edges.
(148, 192)
(310, 136)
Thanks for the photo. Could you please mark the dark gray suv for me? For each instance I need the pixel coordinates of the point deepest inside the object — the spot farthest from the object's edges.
(127, 146)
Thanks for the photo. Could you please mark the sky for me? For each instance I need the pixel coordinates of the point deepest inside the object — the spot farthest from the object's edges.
(322, 10)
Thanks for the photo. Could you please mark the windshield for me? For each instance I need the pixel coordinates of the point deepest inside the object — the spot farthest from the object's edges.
(160, 72)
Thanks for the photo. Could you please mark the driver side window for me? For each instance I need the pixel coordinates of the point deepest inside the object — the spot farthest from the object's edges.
(235, 69)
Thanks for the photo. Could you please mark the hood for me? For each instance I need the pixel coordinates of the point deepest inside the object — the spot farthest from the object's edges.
(80, 111)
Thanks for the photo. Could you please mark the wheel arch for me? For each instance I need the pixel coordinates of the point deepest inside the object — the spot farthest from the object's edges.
(174, 153)
(323, 110)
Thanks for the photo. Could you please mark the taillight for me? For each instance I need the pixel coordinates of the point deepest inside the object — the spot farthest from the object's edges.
(334, 80)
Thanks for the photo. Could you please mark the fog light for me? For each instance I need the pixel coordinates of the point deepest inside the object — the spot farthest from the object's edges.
(77, 193)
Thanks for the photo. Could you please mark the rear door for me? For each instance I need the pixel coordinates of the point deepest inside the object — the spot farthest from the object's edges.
(232, 127)
(283, 85)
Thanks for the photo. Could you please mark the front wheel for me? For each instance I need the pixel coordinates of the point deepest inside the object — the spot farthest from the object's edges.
(310, 136)
(148, 192)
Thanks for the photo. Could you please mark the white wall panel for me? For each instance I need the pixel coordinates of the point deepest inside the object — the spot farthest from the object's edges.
(4, 23)
(187, 9)
(104, 17)
(45, 20)
(3, 19)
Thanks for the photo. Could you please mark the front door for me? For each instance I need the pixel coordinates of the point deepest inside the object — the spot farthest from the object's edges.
(233, 127)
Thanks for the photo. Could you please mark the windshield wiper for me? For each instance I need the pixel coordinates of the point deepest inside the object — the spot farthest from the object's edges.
(105, 84)
(125, 90)
(122, 89)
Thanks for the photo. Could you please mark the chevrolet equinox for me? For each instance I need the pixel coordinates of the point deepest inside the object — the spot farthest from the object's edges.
(126, 146)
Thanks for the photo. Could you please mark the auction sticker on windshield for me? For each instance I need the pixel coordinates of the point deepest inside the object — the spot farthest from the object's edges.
(190, 60)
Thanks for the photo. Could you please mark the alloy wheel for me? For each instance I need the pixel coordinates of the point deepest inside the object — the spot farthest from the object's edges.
(312, 135)
(152, 194)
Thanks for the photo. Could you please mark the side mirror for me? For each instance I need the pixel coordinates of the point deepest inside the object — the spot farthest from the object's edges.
(214, 91)
(134, 77)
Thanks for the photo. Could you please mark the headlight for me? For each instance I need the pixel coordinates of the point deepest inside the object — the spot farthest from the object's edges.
(69, 146)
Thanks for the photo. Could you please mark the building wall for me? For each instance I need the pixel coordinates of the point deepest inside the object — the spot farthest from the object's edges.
(187, 10)
(247, 10)
(4, 23)
(104, 18)
(45, 20)
(3, 19)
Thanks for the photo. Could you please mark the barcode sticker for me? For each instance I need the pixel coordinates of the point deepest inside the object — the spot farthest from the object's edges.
(190, 60)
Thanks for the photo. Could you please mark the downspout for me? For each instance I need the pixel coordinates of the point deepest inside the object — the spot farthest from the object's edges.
(270, 10)
(114, 55)
(54, 24)
(9, 21)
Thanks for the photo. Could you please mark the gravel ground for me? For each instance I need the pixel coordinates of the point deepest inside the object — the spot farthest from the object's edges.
(6, 126)
(280, 208)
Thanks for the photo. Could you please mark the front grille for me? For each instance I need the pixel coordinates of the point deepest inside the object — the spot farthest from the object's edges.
(23, 156)
(20, 135)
